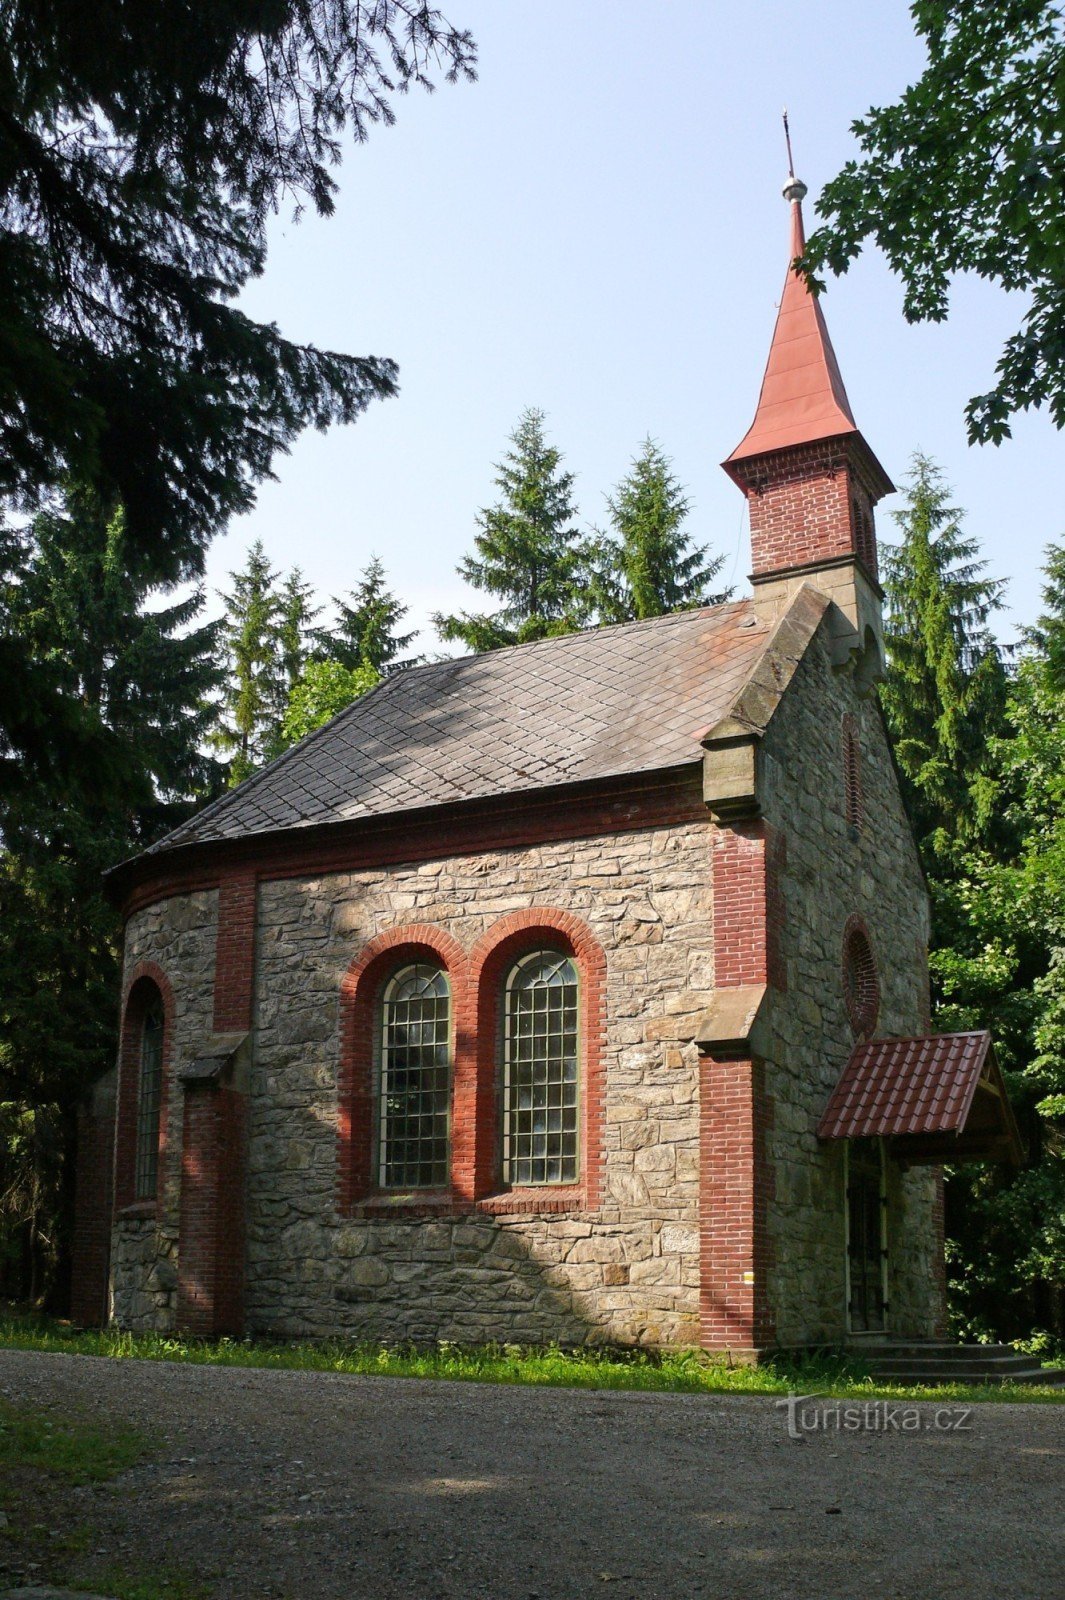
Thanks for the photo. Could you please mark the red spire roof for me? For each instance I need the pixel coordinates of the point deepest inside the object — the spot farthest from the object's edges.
(802, 398)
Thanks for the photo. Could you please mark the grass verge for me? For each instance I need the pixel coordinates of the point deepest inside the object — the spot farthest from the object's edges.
(679, 1372)
(43, 1456)
(78, 1452)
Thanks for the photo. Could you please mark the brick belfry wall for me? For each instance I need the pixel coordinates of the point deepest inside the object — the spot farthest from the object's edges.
(626, 1269)
(178, 936)
(827, 874)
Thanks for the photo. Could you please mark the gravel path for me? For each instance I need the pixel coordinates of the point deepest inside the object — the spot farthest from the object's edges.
(309, 1486)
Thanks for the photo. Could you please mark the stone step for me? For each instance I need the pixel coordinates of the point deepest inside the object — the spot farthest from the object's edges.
(1005, 1363)
(991, 1372)
(921, 1349)
(937, 1361)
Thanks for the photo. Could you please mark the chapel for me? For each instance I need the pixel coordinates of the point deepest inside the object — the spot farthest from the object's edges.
(571, 992)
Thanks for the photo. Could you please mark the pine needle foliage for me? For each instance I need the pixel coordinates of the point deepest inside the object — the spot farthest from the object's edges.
(529, 552)
(141, 677)
(297, 614)
(365, 634)
(649, 565)
(945, 693)
(254, 690)
(144, 144)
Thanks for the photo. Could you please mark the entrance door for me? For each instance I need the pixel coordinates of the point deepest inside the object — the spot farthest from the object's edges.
(866, 1237)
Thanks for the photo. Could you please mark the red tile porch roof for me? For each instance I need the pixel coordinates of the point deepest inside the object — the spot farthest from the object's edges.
(940, 1097)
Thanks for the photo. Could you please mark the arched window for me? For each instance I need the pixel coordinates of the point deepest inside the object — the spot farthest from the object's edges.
(414, 1079)
(540, 1070)
(149, 1095)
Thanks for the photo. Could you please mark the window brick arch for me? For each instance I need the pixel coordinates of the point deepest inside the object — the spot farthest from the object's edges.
(491, 958)
(861, 981)
(146, 986)
(359, 991)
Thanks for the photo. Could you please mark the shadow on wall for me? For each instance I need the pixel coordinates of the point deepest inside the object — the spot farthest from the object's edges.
(472, 1279)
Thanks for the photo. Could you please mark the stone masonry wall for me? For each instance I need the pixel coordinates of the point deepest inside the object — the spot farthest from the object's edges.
(627, 1271)
(178, 935)
(828, 875)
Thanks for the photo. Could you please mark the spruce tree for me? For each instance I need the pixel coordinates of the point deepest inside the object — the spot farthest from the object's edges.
(944, 697)
(529, 553)
(364, 634)
(650, 566)
(999, 962)
(143, 150)
(295, 627)
(253, 697)
(143, 675)
(141, 679)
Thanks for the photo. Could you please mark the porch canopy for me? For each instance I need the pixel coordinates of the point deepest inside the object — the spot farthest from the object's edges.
(937, 1099)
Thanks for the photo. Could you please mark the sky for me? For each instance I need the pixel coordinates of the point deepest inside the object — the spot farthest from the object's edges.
(595, 227)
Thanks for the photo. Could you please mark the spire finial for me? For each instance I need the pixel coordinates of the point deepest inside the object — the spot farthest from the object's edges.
(794, 189)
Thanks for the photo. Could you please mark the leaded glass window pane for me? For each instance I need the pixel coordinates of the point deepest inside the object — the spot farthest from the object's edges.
(540, 1141)
(415, 1080)
(148, 1097)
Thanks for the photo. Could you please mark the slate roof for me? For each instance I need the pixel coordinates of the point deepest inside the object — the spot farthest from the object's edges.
(605, 703)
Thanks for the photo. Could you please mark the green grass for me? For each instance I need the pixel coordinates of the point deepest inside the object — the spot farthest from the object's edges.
(122, 1585)
(78, 1452)
(41, 1456)
(662, 1373)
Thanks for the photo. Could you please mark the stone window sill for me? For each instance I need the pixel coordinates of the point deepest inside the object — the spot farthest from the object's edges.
(138, 1211)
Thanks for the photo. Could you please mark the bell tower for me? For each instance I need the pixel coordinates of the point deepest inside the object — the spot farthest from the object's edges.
(810, 479)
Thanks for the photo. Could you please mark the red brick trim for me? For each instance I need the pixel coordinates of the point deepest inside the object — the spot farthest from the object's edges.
(210, 1297)
(575, 811)
(507, 939)
(736, 1185)
(735, 1111)
(747, 863)
(210, 1293)
(234, 971)
(359, 990)
(93, 1204)
(140, 981)
(861, 981)
(811, 503)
